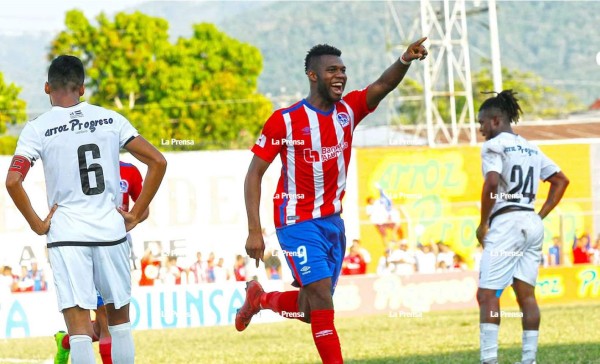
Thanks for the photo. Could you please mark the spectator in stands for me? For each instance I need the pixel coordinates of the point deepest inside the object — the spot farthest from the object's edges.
(554, 252)
(150, 267)
(425, 259)
(385, 265)
(239, 268)
(272, 265)
(210, 268)
(170, 273)
(595, 252)
(459, 263)
(24, 283)
(198, 270)
(37, 276)
(580, 252)
(8, 281)
(354, 262)
(364, 252)
(403, 260)
(445, 255)
(441, 266)
(221, 273)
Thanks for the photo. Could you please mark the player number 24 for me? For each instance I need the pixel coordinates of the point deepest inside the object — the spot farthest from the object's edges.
(525, 188)
(85, 169)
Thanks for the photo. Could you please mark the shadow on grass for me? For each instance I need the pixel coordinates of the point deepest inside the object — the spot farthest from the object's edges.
(586, 353)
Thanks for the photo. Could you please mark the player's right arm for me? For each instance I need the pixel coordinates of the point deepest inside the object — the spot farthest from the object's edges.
(265, 150)
(146, 153)
(255, 245)
(14, 185)
(558, 186)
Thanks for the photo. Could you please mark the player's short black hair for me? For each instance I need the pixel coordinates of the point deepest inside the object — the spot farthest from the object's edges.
(506, 103)
(66, 72)
(317, 51)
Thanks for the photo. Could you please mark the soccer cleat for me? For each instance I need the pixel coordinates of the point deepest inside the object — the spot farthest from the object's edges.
(527, 362)
(62, 354)
(490, 361)
(250, 307)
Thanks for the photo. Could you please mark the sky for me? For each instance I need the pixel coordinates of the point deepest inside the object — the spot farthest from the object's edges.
(48, 16)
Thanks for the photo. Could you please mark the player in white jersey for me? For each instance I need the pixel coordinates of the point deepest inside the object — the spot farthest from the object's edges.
(79, 145)
(510, 231)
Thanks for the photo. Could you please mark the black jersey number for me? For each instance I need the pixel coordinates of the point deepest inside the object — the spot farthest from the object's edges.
(85, 169)
(523, 187)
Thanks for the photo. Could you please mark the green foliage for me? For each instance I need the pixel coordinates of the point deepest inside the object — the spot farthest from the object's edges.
(202, 88)
(8, 144)
(537, 99)
(12, 109)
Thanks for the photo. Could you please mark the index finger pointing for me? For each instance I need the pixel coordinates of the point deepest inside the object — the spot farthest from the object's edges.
(257, 262)
(420, 41)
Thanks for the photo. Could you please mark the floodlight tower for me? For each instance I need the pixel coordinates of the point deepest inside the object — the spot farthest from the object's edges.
(447, 72)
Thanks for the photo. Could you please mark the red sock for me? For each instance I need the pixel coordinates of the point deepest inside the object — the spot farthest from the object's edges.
(65, 342)
(284, 303)
(105, 348)
(325, 336)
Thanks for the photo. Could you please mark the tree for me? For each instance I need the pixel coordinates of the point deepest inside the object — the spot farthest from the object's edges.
(537, 100)
(203, 88)
(12, 108)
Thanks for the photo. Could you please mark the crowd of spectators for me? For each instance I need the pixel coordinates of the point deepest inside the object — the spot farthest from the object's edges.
(157, 268)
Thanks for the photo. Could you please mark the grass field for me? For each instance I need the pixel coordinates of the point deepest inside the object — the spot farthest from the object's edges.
(569, 335)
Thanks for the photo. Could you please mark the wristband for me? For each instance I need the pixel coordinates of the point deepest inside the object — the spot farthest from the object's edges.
(403, 61)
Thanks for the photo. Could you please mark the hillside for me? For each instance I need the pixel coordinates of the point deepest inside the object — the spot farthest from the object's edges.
(556, 39)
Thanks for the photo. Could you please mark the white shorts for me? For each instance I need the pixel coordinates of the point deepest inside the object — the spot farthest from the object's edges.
(513, 249)
(80, 270)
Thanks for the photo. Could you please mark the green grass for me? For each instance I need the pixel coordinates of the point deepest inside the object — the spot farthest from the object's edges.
(570, 334)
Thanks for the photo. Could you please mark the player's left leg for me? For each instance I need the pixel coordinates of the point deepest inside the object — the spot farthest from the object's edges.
(526, 274)
(530, 321)
(114, 284)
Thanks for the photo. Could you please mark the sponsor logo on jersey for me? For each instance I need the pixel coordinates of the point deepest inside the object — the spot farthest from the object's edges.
(124, 186)
(343, 118)
(76, 114)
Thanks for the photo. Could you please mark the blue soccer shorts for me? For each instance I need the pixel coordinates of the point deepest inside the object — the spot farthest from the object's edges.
(314, 249)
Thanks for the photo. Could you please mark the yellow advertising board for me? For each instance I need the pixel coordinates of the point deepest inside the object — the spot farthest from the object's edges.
(437, 192)
(562, 285)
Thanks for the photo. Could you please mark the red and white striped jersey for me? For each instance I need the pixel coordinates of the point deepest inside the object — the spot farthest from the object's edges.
(315, 149)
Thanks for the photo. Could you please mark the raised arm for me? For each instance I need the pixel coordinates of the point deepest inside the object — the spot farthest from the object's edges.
(391, 77)
(255, 245)
(558, 186)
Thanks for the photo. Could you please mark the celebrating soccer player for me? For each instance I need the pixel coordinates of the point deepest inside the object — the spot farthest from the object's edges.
(86, 232)
(512, 168)
(314, 140)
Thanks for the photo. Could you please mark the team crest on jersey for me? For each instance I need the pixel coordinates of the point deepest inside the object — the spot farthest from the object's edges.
(343, 119)
(306, 130)
(262, 140)
(124, 186)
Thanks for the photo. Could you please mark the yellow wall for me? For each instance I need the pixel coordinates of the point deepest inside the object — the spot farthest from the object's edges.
(441, 188)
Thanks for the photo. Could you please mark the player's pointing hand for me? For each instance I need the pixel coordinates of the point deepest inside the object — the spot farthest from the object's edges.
(415, 51)
(255, 246)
